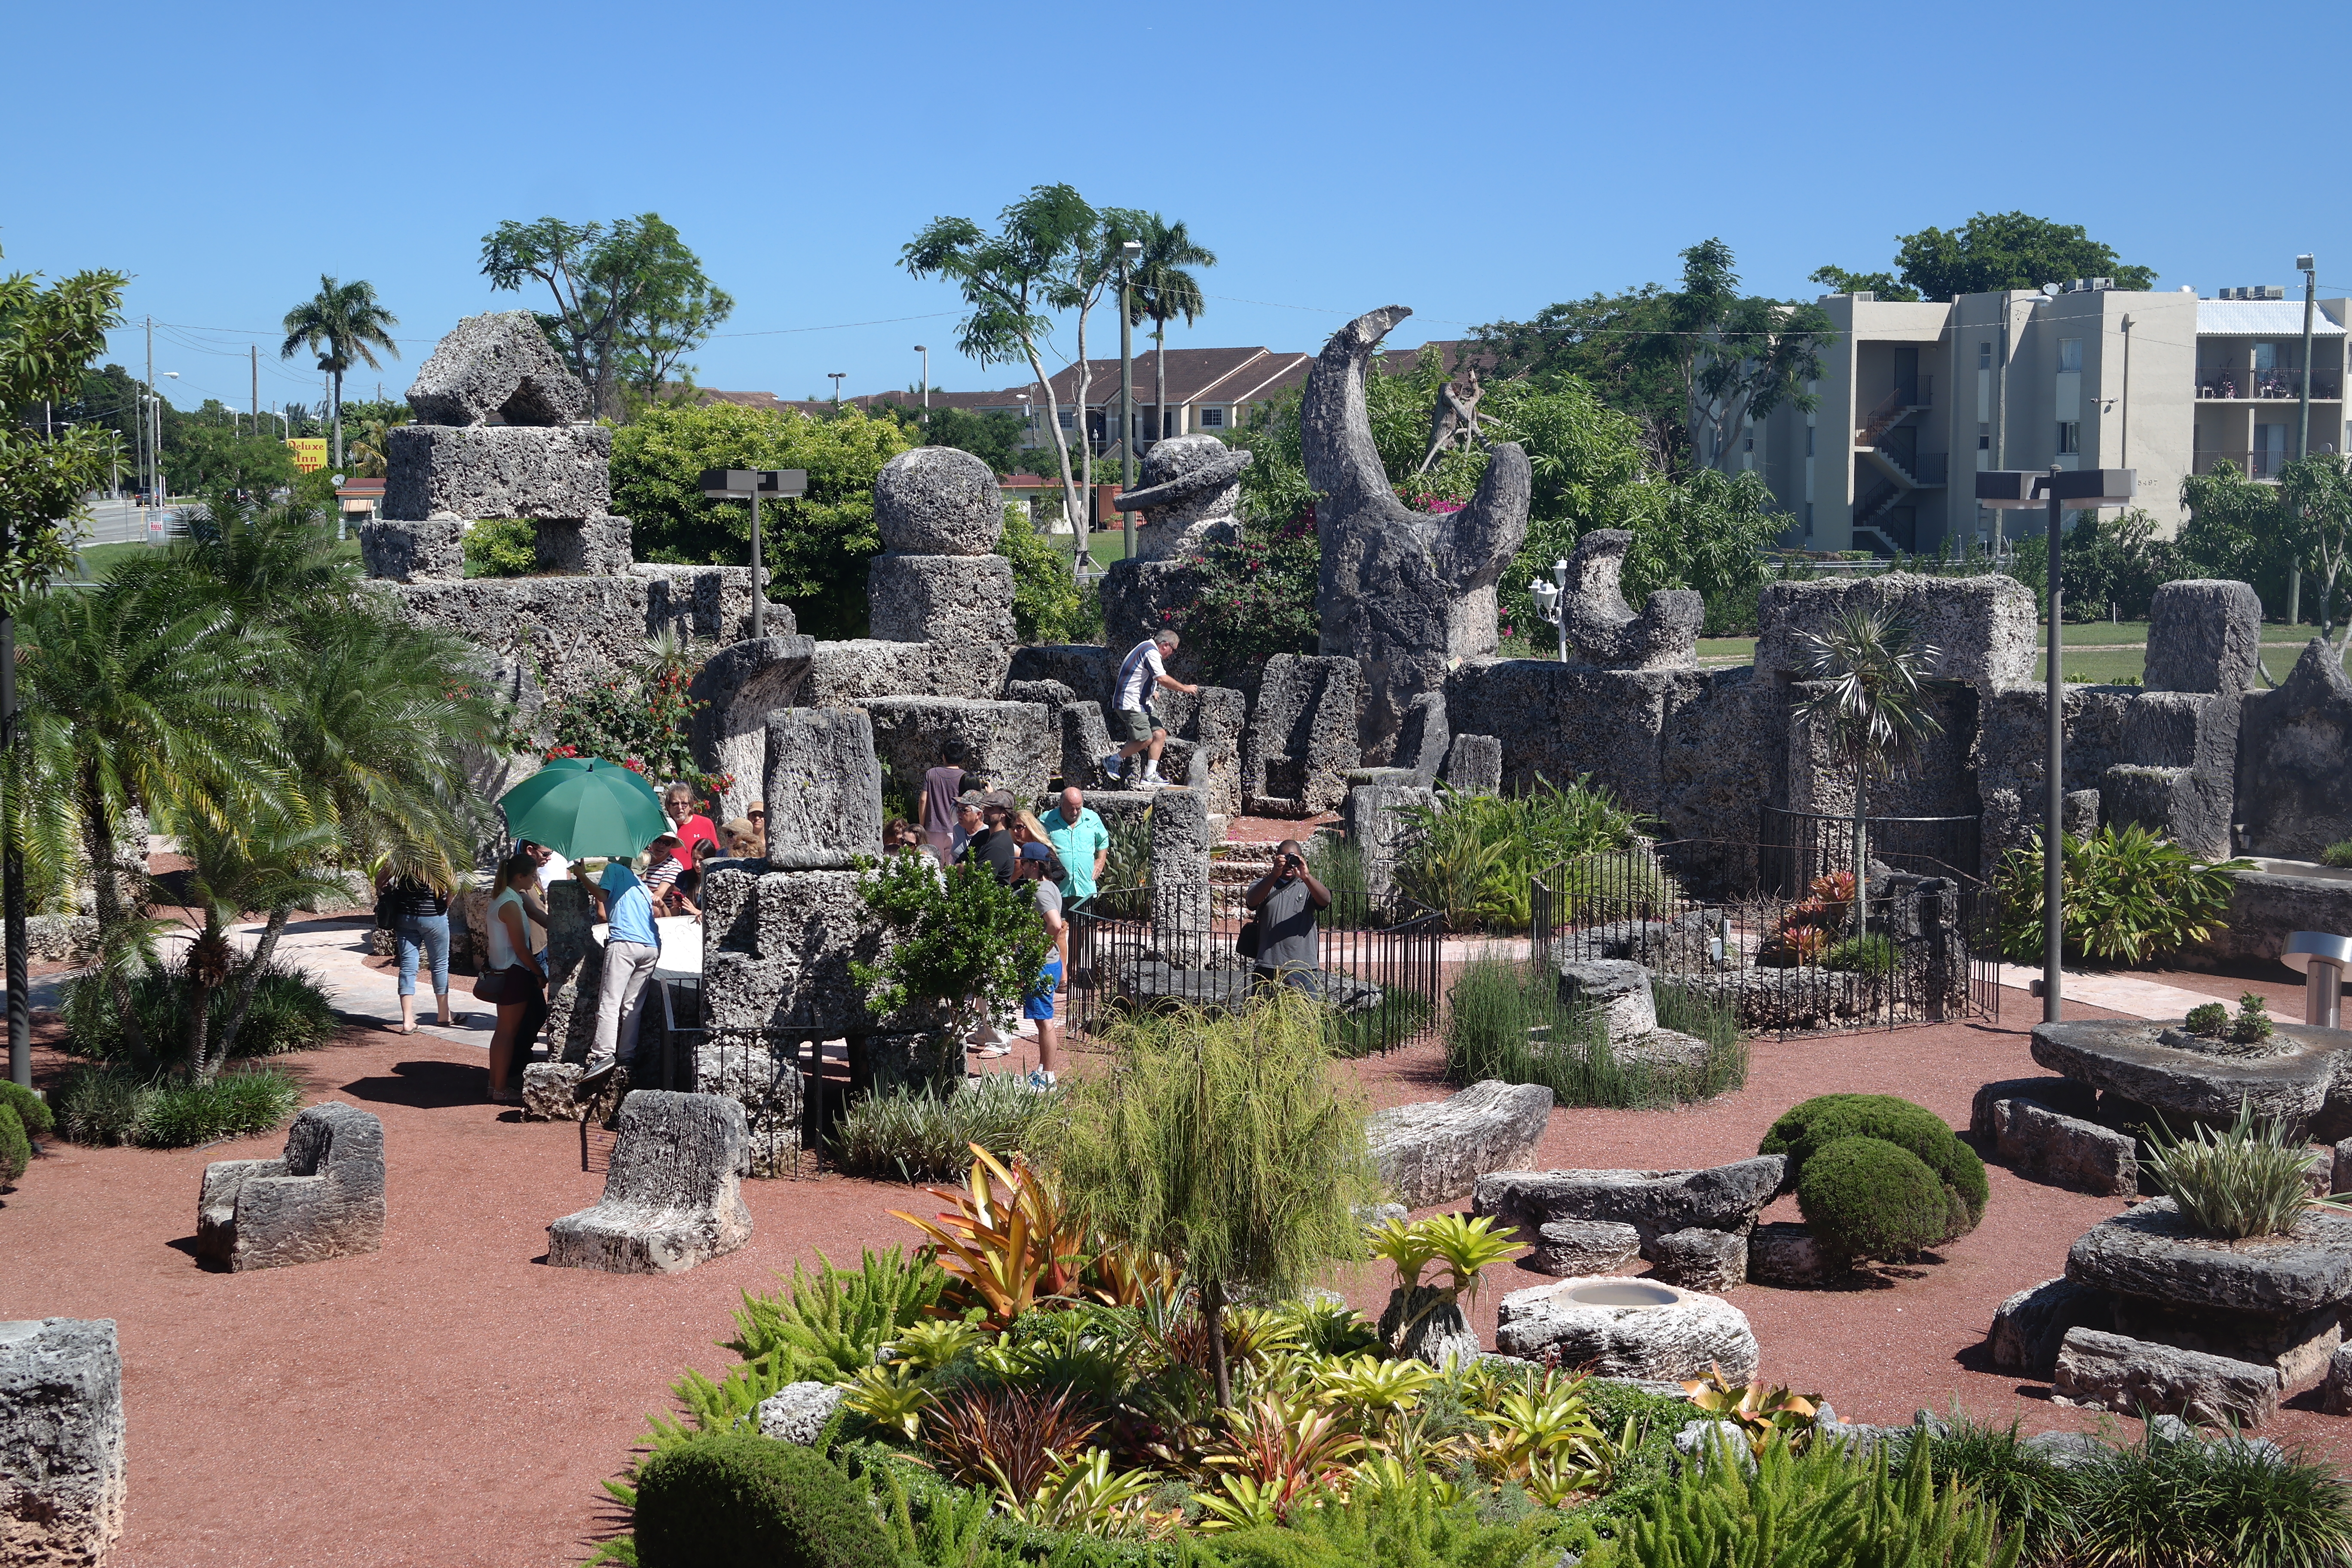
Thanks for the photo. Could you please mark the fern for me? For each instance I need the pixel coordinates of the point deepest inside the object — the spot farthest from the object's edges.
(829, 1325)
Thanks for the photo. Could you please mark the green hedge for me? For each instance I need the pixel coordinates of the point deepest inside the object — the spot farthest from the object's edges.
(1812, 1126)
(1865, 1198)
(290, 1012)
(30, 1107)
(16, 1148)
(741, 1500)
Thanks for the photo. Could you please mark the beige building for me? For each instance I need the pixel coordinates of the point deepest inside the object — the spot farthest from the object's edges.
(1915, 398)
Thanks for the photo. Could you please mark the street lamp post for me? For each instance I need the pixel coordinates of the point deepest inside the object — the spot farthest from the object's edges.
(1551, 602)
(2309, 267)
(2018, 489)
(1129, 250)
(927, 387)
(836, 376)
(749, 485)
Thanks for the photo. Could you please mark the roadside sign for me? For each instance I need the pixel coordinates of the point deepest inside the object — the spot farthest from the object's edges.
(309, 453)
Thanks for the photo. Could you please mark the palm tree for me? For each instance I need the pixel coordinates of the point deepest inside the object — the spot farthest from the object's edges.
(1161, 291)
(343, 324)
(135, 696)
(1873, 709)
(270, 862)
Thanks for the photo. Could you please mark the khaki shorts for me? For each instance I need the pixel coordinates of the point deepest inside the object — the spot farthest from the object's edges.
(1137, 725)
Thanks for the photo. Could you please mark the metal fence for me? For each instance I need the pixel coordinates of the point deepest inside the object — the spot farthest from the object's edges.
(1921, 949)
(790, 1091)
(1793, 848)
(1133, 949)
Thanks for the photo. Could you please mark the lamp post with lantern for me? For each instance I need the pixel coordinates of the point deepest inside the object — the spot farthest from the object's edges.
(1551, 602)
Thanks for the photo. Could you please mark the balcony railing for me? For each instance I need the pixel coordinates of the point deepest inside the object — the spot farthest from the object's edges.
(2257, 386)
(2262, 463)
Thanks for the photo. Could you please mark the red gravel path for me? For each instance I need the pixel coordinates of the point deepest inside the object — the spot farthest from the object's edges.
(452, 1400)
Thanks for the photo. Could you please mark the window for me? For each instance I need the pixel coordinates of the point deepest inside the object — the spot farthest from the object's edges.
(2070, 437)
(2266, 356)
(1984, 437)
(2070, 356)
(1808, 517)
(1809, 440)
(1751, 442)
(1069, 419)
(1211, 418)
(1984, 354)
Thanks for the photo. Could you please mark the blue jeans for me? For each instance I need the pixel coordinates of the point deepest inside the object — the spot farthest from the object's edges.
(430, 933)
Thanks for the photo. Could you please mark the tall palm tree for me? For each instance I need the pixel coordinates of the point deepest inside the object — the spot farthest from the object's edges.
(344, 325)
(1872, 706)
(1162, 290)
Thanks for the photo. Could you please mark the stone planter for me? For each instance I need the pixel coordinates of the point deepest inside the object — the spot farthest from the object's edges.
(1619, 1326)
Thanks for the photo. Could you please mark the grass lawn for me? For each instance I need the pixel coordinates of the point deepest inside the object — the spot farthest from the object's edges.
(97, 558)
(1106, 544)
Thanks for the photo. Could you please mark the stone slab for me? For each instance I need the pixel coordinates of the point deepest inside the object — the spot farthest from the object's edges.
(2029, 1327)
(62, 1475)
(1983, 629)
(428, 552)
(1429, 1153)
(2063, 1095)
(2134, 1060)
(673, 1193)
(823, 789)
(797, 1412)
(1702, 1260)
(322, 1199)
(2036, 1141)
(1474, 764)
(1011, 745)
(738, 687)
(498, 470)
(960, 601)
(2110, 1371)
(1655, 1203)
(1619, 988)
(778, 949)
(592, 546)
(1577, 1248)
(2295, 793)
(1300, 742)
(2204, 635)
(2150, 1251)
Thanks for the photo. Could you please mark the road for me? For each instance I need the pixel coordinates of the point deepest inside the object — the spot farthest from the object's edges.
(121, 522)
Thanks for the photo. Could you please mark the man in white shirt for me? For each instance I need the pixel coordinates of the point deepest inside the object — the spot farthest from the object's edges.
(1142, 673)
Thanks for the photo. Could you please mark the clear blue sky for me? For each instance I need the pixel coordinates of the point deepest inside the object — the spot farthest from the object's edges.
(1472, 161)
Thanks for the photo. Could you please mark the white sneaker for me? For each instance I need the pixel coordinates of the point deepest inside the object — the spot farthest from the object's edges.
(1151, 780)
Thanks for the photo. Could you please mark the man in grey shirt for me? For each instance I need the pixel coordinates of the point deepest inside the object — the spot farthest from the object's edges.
(1284, 900)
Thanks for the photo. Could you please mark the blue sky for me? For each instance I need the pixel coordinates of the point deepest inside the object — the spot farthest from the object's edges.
(1473, 161)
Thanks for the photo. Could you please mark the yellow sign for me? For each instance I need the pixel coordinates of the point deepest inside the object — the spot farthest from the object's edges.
(309, 453)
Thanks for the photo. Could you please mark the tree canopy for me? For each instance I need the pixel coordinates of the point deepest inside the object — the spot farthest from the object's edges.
(46, 338)
(1990, 252)
(816, 547)
(631, 299)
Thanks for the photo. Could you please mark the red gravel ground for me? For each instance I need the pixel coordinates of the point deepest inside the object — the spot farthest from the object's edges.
(452, 1400)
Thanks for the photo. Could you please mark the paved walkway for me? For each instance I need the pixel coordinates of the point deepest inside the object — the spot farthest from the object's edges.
(2127, 994)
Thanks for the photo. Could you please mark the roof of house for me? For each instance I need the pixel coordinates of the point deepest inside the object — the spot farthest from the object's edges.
(2269, 318)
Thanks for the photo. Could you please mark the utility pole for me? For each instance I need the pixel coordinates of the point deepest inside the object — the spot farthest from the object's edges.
(1128, 251)
(154, 460)
(927, 387)
(12, 855)
(256, 387)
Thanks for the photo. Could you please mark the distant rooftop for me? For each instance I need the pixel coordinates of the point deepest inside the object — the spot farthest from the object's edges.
(2270, 318)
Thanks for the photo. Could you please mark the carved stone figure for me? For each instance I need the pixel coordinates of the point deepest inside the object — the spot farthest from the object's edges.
(1191, 485)
(1404, 593)
(1454, 421)
(1605, 630)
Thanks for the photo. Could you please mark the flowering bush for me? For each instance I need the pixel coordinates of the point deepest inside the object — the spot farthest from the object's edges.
(1255, 597)
(645, 723)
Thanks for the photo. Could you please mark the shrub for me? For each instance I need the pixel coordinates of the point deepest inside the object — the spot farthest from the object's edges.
(1047, 607)
(179, 1115)
(111, 1104)
(2252, 1026)
(1498, 1001)
(1865, 1198)
(738, 1500)
(502, 547)
(16, 1148)
(2130, 896)
(2227, 1504)
(32, 1110)
(2210, 1018)
(1805, 1130)
(290, 1012)
(1471, 855)
(2337, 855)
(1872, 955)
(1824, 1507)
(101, 1106)
(2249, 1181)
(827, 1327)
(1390, 1527)
(2029, 1491)
(922, 1134)
(1254, 597)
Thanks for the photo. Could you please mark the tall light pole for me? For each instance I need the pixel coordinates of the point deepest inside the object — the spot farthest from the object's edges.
(836, 376)
(2308, 265)
(2017, 489)
(1129, 250)
(927, 387)
(749, 485)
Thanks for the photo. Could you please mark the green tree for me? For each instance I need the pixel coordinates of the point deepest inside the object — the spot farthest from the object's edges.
(210, 457)
(46, 338)
(1837, 281)
(631, 299)
(1228, 1144)
(344, 325)
(1162, 289)
(992, 435)
(2119, 560)
(816, 548)
(2316, 495)
(372, 424)
(2237, 528)
(1032, 265)
(1994, 251)
(1046, 605)
(1873, 707)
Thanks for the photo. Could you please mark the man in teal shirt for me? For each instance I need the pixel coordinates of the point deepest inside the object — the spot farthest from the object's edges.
(632, 946)
(1081, 841)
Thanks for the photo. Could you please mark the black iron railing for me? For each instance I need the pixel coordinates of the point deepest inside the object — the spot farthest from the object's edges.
(1921, 949)
(1133, 949)
(1793, 848)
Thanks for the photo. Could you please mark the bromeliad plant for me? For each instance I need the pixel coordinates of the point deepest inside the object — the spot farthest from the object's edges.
(2130, 896)
(1463, 1246)
(1761, 1414)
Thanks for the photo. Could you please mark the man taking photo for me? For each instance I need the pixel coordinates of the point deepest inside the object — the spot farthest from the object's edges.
(1284, 901)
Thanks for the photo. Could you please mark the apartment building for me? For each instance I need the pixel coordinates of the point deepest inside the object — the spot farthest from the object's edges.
(1915, 398)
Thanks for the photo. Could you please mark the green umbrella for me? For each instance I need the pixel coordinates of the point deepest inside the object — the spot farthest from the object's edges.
(586, 808)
